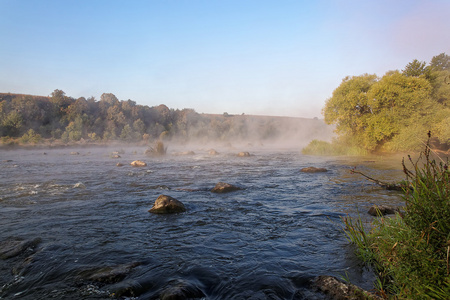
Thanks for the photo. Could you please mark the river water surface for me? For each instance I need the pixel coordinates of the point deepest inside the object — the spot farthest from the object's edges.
(266, 241)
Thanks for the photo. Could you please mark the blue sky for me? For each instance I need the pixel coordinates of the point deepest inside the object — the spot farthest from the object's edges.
(255, 57)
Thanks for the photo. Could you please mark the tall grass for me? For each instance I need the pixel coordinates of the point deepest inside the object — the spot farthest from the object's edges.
(411, 251)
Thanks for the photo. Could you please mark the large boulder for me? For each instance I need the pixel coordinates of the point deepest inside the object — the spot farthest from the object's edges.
(313, 170)
(138, 163)
(222, 187)
(165, 205)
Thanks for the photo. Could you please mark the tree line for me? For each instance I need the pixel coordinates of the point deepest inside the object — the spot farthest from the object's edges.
(33, 119)
(394, 112)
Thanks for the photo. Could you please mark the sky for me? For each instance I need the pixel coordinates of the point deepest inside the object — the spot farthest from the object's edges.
(257, 57)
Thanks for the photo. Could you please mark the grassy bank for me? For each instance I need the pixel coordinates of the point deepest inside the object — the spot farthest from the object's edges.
(411, 251)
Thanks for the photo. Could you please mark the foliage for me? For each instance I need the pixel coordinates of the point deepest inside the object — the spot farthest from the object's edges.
(158, 149)
(385, 113)
(62, 117)
(317, 147)
(30, 137)
(411, 251)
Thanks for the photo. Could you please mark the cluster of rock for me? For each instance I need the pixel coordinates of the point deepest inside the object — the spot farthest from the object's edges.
(165, 204)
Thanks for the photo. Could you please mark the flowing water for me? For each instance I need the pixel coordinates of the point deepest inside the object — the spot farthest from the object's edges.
(266, 241)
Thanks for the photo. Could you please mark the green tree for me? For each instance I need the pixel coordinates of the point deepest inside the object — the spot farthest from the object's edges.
(127, 133)
(12, 124)
(348, 107)
(370, 112)
(415, 68)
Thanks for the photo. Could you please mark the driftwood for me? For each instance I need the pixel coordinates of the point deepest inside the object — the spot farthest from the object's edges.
(385, 185)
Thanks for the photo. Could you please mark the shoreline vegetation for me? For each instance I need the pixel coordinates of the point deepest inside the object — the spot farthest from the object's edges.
(390, 113)
(410, 252)
(59, 120)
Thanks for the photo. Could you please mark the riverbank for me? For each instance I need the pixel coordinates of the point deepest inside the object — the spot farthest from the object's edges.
(411, 251)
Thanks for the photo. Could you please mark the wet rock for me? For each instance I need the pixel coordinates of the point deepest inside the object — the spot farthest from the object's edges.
(243, 154)
(112, 274)
(126, 288)
(14, 247)
(180, 290)
(313, 170)
(138, 163)
(23, 266)
(222, 187)
(165, 205)
(115, 156)
(119, 164)
(79, 185)
(339, 290)
(381, 210)
(213, 152)
(74, 153)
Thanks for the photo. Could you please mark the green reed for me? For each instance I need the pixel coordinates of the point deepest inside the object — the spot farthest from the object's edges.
(411, 251)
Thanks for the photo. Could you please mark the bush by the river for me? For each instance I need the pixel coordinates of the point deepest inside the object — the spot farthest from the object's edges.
(410, 251)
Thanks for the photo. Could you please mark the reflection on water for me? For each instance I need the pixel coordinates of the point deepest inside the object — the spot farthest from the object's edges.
(266, 241)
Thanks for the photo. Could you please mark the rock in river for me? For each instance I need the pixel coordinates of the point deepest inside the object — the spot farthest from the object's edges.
(111, 274)
(313, 170)
(166, 205)
(222, 187)
(138, 163)
(14, 247)
(243, 154)
(381, 210)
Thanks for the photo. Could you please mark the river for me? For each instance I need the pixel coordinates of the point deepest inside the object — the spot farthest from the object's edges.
(266, 241)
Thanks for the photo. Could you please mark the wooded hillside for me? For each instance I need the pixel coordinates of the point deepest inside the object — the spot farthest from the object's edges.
(29, 119)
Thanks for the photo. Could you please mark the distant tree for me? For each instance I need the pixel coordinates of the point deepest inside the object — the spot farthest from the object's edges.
(440, 62)
(415, 68)
(139, 126)
(12, 124)
(127, 134)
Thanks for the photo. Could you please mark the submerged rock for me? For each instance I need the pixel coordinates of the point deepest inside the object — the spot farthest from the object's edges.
(14, 247)
(165, 205)
(74, 153)
(222, 187)
(339, 290)
(381, 210)
(119, 164)
(110, 274)
(180, 290)
(313, 170)
(138, 163)
(113, 274)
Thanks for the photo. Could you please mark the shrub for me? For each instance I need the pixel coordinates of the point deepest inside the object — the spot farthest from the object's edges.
(411, 251)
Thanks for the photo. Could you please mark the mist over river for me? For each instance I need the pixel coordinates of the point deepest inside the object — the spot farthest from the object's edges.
(266, 241)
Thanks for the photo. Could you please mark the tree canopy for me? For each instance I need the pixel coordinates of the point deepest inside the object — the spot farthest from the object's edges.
(396, 111)
(60, 117)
